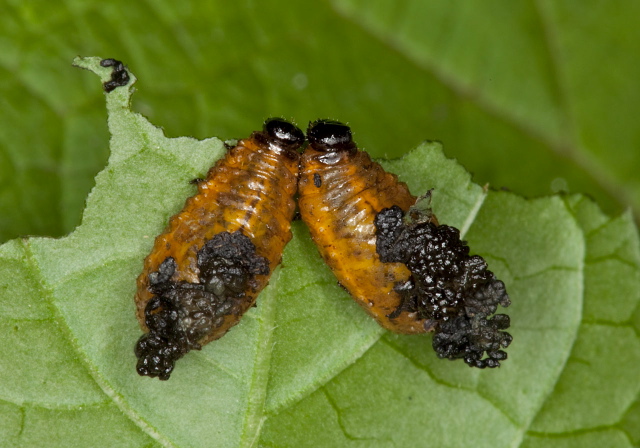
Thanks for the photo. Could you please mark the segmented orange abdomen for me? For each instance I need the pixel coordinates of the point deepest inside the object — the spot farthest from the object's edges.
(341, 192)
(216, 255)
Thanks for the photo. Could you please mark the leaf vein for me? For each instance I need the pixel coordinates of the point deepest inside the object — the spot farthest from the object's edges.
(559, 145)
(102, 383)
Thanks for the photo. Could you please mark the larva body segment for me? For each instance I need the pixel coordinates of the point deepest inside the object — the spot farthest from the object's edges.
(341, 193)
(216, 255)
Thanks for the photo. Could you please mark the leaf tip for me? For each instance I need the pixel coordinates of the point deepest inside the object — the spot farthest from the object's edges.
(92, 63)
(112, 72)
(431, 145)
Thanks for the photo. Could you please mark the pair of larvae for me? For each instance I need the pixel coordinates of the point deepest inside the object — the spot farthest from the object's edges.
(216, 255)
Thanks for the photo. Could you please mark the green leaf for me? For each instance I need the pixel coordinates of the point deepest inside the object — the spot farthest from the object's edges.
(534, 96)
(308, 367)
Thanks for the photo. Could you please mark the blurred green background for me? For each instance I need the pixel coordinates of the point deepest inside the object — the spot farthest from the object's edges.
(537, 97)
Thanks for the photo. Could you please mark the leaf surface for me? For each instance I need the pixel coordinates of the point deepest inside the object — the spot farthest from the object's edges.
(307, 367)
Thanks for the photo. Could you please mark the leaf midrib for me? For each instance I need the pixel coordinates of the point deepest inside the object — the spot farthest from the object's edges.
(255, 413)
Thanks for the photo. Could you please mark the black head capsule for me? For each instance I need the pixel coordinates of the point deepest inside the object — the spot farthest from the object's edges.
(330, 136)
(281, 134)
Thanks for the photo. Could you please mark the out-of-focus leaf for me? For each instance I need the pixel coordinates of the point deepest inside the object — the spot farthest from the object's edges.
(536, 97)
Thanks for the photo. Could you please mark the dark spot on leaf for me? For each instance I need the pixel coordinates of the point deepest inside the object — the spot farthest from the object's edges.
(119, 75)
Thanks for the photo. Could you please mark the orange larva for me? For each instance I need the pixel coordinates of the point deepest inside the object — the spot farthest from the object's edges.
(217, 254)
(341, 191)
(411, 274)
